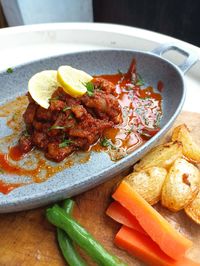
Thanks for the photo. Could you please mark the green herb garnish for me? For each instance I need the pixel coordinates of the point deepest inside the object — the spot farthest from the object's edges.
(56, 127)
(158, 119)
(54, 99)
(66, 108)
(25, 133)
(119, 72)
(90, 88)
(9, 70)
(70, 116)
(1, 171)
(107, 143)
(128, 131)
(139, 80)
(14, 116)
(65, 143)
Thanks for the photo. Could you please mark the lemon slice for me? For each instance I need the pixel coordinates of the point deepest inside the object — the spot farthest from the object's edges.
(42, 85)
(72, 80)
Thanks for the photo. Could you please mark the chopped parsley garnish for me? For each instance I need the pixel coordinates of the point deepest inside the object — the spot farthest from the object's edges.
(66, 108)
(90, 88)
(128, 131)
(137, 80)
(1, 171)
(14, 116)
(70, 116)
(25, 133)
(65, 143)
(54, 99)
(158, 119)
(9, 70)
(56, 127)
(107, 143)
(119, 72)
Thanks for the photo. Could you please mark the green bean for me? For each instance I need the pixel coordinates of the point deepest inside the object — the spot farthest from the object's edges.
(57, 216)
(66, 244)
(68, 250)
(68, 206)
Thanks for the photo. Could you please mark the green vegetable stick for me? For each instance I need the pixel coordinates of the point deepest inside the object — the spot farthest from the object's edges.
(68, 206)
(66, 245)
(57, 216)
(68, 250)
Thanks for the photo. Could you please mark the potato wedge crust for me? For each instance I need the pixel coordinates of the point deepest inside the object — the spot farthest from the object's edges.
(190, 149)
(193, 209)
(162, 156)
(181, 185)
(148, 183)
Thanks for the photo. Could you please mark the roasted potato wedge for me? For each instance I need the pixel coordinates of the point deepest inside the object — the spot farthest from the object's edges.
(148, 183)
(181, 185)
(193, 209)
(190, 149)
(162, 156)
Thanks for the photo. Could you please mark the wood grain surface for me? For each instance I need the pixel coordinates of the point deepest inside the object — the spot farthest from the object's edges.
(27, 239)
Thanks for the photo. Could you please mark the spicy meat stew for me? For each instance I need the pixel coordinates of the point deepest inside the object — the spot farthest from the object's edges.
(69, 123)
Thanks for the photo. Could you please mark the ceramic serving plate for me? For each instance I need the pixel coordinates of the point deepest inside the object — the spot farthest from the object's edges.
(99, 168)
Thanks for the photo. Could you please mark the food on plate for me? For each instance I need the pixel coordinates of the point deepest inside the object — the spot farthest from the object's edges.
(144, 248)
(152, 222)
(162, 155)
(66, 244)
(121, 215)
(190, 149)
(193, 209)
(68, 124)
(58, 217)
(116, 114)
(73, 80)
(78, 110)
(148, 183)
(181, 185)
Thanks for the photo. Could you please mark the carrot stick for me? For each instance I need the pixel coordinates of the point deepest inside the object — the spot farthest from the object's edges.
(121, 215)
(144, 248)
(170, 241)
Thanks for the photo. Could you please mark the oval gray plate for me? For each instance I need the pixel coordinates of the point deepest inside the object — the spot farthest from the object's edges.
(99, 168)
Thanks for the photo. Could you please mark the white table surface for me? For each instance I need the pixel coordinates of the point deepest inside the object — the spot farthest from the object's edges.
(25, 43)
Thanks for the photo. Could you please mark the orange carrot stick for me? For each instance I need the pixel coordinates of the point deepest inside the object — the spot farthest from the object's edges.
(121, 215)
(144, 248)
(170, 241)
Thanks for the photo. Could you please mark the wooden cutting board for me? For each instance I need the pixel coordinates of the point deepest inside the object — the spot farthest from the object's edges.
(26, 238)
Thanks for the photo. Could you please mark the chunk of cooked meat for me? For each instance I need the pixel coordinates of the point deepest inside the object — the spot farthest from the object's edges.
(57, 153)
(43, 114)
(69, 123)
(25, 143)
(79, 111)
(30, 113)
(103, 84)
(40, 140)
(105, 106)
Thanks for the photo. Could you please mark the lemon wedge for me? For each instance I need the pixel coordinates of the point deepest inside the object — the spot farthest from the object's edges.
(72, 80)
(42, 85)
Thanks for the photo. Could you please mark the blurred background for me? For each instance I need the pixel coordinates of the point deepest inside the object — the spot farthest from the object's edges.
(177, 18)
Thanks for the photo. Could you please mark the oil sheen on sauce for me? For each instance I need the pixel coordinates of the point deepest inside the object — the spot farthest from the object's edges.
(141, 114)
